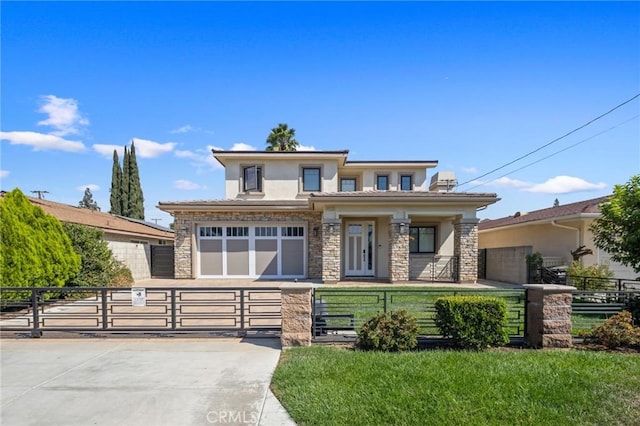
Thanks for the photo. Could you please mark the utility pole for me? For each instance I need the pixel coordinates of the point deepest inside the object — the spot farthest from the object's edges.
(155, 220)
(40, 193)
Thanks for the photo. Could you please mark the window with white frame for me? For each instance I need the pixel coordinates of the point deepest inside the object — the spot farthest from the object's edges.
(211, 231)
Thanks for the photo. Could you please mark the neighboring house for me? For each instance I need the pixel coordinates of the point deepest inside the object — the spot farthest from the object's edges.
(131, 241)
(316, 215)
(554, 232)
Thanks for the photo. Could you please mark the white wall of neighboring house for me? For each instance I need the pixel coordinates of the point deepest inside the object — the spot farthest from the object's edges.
(135, 254)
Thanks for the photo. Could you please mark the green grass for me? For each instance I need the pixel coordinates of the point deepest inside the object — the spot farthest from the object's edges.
(365, 302)
(335, 386)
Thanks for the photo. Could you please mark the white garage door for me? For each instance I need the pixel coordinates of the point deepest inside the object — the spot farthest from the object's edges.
(252, 251)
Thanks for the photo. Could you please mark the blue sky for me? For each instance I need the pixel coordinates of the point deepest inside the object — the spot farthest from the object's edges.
(472, 85)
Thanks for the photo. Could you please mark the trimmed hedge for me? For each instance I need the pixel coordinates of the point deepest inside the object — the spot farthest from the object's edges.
(390, 332)
(472, 322)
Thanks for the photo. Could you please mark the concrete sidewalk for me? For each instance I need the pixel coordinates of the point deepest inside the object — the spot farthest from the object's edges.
(132, 381)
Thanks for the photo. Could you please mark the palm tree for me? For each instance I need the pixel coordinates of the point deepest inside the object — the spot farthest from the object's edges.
(281, 138)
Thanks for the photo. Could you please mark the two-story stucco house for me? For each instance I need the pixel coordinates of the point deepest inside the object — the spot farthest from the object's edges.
(316, 215)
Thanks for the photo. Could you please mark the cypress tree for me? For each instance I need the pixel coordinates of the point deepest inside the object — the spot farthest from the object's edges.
(116, 185)
(126, 208)
(136, 198)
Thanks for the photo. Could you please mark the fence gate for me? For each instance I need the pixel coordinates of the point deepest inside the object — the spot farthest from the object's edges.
(159, 310)
(162, 261)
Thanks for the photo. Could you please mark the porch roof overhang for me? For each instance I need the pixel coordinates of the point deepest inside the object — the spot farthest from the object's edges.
(233, 205)
(402, 198)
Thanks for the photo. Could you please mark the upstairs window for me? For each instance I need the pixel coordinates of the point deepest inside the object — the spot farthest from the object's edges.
(252, 178)
(348, 184)
(311, 179)
(406, 183)
(382, 182)
(422, 239)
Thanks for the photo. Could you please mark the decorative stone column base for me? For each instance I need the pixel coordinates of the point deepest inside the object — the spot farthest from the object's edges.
(296, 315)
(549, 315)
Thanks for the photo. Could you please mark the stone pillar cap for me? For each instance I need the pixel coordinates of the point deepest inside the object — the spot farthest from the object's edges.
(558, 288)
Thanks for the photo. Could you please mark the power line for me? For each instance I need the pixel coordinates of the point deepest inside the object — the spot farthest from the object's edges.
(40, 193)
(553, 141)
(558, 152)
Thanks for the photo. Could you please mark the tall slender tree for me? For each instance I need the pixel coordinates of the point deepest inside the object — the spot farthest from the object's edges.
(136, 198)
(116, 186)
(282, 138)
(125, 183)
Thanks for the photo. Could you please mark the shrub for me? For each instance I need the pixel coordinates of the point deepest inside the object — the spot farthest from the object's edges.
(617, 331)
(592, 277)
(121, 276)
(473, 322)
(390, 332)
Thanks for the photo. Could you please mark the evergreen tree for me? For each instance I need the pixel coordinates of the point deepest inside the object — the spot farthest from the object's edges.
(125, 184)
(87, 201)
(35, 250)
(556, 203)
(136, 198)
(116, 186)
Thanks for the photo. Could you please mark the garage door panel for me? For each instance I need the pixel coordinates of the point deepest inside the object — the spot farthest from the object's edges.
(237, 257)
(267, 257)
(292, 257)
(211, 257)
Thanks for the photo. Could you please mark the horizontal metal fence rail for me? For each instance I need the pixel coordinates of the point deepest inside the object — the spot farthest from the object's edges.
(167, 310)
(338, 313)
(591, 308)
(594, 283)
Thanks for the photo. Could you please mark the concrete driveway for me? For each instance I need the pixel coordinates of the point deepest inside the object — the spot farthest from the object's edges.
(133, 381)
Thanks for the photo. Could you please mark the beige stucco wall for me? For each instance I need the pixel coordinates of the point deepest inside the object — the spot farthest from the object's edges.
(366, 178)
(137, 256)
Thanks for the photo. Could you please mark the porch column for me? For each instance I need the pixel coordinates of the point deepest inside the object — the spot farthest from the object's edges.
(331, 231)
(183, 247)
(399, 250)
(465, 248)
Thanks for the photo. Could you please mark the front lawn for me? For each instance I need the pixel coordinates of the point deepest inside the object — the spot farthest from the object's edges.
(335, 386)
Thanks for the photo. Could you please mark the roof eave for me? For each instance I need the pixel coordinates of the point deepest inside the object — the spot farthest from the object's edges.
(542, 221)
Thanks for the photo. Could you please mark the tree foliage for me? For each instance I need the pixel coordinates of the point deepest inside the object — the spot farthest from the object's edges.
(35, 251)
(617, 231)
(99, 268)
(127, 198)
(282, 138)
(116, 186)
(87, 201)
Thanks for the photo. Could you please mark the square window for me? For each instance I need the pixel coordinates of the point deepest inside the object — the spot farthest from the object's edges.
(311, 179)
(382, 183)
(252, 178)
(406, 183)
(422, 239)
(347, 184)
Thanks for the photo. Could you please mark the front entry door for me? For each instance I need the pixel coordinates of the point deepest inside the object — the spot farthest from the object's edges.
(359, 249)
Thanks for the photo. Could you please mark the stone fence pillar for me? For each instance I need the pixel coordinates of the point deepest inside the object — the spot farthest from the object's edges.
(296, 314)
(549, 315)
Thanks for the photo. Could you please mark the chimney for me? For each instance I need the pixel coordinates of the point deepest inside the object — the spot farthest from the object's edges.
(443, 182)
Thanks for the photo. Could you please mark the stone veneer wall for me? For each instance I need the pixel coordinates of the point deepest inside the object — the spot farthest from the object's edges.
(465, 248)
(331, 258)
(185, 229)
(296, 316)
(398, 250)
(549, 315)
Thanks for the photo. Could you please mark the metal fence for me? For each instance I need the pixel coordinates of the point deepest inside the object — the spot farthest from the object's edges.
(337, 313)
(150, 310)
(595, 283)
(591, 308)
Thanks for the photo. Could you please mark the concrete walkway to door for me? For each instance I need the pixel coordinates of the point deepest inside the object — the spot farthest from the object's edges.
(133, 381)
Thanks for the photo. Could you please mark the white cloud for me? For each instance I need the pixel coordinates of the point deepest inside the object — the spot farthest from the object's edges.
(185, 184)
(185, 129)
(239, 146)
(4, 173)
(91, 186)
(505, 182)
(200, 158)
(42, 141)
(63, 113)
(306, 148)
(107, 150)
(469, 169)
(151, 149)
(564, 185)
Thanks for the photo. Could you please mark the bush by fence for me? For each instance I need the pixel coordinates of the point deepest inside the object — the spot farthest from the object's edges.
(389, 331)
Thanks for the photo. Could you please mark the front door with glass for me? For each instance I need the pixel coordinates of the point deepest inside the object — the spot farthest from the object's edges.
(359, 249)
